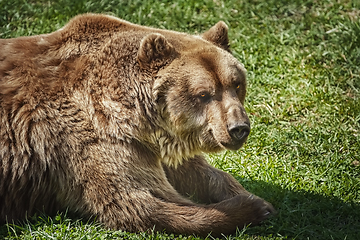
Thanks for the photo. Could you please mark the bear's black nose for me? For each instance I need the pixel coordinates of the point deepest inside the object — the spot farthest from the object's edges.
(239, 132)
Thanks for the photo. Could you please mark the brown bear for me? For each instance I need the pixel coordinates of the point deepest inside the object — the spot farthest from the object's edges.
(110, 119)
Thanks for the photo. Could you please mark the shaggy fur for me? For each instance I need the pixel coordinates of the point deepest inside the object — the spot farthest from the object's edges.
(109, 119)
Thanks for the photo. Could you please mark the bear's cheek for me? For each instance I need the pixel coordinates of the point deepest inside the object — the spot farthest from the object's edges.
(214, 131)
(183, 110)
(186, 115)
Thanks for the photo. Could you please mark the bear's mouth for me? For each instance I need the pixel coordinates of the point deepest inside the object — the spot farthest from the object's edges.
(232, 146)
(214, 145)
(209, 142)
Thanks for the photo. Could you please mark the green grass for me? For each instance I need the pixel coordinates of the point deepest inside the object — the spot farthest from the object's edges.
(303, 62)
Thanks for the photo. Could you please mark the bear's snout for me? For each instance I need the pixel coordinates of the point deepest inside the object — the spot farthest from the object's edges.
(239, 132)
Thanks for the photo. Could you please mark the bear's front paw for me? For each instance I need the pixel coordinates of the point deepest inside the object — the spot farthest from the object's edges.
(259, 209)
(245, 209)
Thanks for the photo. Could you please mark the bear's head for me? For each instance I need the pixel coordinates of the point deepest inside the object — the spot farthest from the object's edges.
(199, 88)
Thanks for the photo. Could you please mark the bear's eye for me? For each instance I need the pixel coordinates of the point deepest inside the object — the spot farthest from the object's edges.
(204, 96)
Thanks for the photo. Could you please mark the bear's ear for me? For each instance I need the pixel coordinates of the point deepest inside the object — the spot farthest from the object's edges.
(218, 34)
(155, 52)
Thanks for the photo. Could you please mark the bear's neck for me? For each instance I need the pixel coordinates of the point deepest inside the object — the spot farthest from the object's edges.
(170, 149)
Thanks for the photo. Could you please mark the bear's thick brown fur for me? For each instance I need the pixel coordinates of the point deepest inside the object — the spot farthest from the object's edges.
(109, 119)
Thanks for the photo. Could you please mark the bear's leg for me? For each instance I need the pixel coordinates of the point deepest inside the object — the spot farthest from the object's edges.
(137, 210)
(198, 180)
(126, 188)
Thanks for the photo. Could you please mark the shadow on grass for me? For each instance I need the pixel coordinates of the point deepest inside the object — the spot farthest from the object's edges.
(304, 215)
